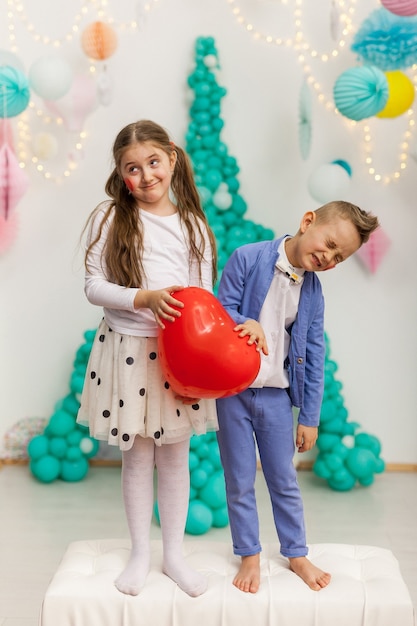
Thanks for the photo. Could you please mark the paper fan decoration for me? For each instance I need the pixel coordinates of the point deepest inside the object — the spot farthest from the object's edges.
(304, 120)
(361, 92)
(373, 251)
(401, 7)
(335, 20)
(14, 91)
(8, 231)
(387, 40)
(13, 181)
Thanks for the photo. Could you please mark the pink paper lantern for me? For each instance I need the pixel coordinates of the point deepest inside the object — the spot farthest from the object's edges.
(13, 181)
(8, 231)
(401, 7)
(373, 251)
(77, 104)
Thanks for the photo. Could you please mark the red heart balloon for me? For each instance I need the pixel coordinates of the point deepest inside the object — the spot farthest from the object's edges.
(200, 354)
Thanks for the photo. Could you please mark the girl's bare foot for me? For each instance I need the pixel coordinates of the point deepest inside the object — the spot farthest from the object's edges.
(313, 576)
(249, 575)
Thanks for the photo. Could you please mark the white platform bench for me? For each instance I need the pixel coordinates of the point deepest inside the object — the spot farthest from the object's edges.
(366, 589)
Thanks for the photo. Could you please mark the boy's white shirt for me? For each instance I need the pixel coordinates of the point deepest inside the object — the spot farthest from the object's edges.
(278, 312)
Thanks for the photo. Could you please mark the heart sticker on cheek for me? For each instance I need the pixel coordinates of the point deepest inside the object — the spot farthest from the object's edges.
(201, 355)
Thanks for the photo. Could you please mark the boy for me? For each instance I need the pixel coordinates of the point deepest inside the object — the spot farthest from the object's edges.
(272, 292)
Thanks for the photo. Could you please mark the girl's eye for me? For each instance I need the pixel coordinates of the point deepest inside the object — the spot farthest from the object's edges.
(154, 162)
(133, 169)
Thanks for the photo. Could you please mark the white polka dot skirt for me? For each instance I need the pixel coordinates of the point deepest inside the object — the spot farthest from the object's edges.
(125, 394)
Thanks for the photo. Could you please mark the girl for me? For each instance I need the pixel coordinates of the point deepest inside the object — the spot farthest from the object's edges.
(150, 240)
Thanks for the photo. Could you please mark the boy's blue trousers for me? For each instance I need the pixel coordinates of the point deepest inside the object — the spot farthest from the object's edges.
(266, 415)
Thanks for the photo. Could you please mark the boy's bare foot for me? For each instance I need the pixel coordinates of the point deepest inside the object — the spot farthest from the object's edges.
(313, 576)
(249, 575)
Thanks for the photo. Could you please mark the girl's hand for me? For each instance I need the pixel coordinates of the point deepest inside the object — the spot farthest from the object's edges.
(161, 303)
(253, 330)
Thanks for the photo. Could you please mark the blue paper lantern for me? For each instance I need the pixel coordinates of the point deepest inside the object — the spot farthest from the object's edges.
(361, 92)
(14, 91)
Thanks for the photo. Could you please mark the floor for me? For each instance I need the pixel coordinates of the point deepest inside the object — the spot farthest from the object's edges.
(39, 520)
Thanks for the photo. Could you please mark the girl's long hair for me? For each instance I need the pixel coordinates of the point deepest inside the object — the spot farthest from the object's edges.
(124, 245)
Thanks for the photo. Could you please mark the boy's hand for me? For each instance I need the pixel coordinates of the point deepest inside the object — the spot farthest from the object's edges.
(306, 437)
(253, 330)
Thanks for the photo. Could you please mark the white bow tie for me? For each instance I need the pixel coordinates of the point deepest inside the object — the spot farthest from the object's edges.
(289, 271)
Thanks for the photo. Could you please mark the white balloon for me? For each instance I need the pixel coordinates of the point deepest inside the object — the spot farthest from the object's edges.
(210, 60)
(86, 445)
(50, 77)
(329, 182)
(222, 200)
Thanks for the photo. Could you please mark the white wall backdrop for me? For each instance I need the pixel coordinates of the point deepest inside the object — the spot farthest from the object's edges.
(370, 318)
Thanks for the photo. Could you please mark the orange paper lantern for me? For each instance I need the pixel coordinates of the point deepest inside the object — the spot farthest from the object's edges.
(99, 41)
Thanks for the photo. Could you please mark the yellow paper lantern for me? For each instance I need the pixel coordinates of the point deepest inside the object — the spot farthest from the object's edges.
(99, 41)
(400, 94)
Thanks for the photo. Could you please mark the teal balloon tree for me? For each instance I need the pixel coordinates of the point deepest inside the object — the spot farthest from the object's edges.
(216, 174)
(64, 448)
(347, 456)
(216, 171)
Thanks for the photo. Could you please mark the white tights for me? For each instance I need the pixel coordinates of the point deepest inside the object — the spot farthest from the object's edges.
(171, 461)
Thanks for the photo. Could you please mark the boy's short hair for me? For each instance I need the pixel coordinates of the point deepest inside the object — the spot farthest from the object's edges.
(364, 222)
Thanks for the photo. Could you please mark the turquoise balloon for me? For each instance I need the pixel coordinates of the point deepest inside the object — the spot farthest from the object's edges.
(213, 178)
(366, 481)
(342, 485)
(70, 404)
(239, 205)
(73, 471)
(325, 442)
(200, 104)
(214, 454)
(328, 411)
(73, 453)
(207, 466)
(58, 447)
(203, 450)
(61, 423)
(220, 517)
(210, 140)
(198, 478)
(193, 461)
(214, 491)
(38, 447)
(46, 469)
(320, 468)
(333, 462)
(199, 518)
(361, 462)
(75, 436)
(363, 440)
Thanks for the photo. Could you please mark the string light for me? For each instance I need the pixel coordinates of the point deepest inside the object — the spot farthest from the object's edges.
(303, 49)
(17, 15)
(306, 54)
